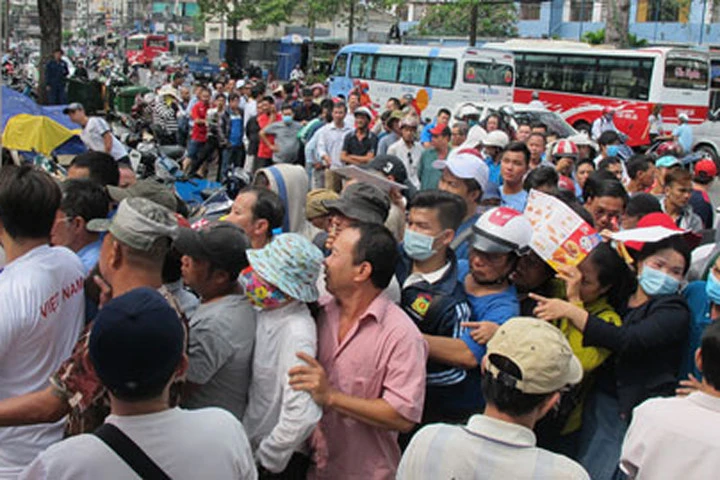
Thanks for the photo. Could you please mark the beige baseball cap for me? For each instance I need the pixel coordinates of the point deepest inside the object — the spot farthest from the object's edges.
(541, 352)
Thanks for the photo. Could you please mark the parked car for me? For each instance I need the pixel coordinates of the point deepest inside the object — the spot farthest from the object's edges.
(706, 137)
(166, 59)
(515, 113)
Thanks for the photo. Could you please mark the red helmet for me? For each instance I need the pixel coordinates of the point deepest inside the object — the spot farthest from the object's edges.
(565, 148)
(667, 148)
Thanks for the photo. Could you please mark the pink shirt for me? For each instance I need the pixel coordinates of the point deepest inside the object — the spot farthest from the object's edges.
(382, 356)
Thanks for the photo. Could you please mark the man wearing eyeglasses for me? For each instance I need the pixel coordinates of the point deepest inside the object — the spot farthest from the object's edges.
(82, 201)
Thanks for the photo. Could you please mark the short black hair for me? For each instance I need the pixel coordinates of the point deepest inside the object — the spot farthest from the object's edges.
(450, 208)
(286, 106)
(378, 247)
(608, 137)
(268, 206)
(339, 105)
(675, 242)
(327, 104)
(445, 111)
(538, 124)
(395, 101)
(517, 147)
(269, 99)
(102, 167)
(597, 185)
(710, 354)
(638, 163)
(543, 176)
(29, 199)
(589, 161)
(500, 393)
(607, 161)
(538, 134)
(641, 204)
(233, 96)
(84, 198)
(257, 91)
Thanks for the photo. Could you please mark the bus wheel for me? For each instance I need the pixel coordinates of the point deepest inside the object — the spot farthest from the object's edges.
(582, 126)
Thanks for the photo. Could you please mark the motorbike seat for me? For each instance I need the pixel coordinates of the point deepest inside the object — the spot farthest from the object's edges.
(174, 152)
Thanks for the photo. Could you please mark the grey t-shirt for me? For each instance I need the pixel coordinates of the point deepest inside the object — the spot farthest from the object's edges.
(220, 346)
(286, 138)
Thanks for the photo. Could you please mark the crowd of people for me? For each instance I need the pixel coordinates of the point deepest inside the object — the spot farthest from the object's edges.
(370, 308)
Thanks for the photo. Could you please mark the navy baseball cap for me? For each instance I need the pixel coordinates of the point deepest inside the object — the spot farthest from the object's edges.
(136, 343)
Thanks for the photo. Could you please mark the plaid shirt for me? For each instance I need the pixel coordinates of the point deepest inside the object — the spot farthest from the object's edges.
(80, 386)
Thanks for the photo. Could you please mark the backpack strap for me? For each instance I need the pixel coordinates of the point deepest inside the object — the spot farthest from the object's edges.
(130, 452)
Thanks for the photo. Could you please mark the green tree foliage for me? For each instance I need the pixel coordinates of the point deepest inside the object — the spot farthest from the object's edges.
(494, 19)
(261, 13)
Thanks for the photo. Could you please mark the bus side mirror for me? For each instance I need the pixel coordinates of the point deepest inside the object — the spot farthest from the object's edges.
(714, 115)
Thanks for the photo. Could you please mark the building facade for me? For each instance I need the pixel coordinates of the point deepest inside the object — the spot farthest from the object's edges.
(657, 21)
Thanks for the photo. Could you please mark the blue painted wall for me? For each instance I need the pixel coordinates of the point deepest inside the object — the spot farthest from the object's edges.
(551, 25)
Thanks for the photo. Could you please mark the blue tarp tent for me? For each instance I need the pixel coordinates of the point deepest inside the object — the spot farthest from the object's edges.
(15, 103)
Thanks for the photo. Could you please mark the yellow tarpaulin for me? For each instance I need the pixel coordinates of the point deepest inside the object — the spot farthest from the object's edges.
(35, 132)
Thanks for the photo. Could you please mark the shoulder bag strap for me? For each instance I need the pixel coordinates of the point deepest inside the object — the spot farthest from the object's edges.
(130, 452)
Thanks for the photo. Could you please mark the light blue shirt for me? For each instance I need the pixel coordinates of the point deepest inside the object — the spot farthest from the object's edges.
(89, 255)
(684, 135)
(515, 201)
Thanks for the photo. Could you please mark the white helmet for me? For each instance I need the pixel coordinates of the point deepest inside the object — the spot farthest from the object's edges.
(502, 230)
(497, 138)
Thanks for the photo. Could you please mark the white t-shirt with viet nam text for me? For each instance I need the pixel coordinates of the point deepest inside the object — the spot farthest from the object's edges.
(42, 310)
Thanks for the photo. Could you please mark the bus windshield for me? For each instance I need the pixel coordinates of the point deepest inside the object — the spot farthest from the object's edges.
(156, 42)
(686, 73)
(183, 50)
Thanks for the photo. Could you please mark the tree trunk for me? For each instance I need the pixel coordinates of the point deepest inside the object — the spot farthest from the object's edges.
(235, 21)
(473, 23)
(617, 23)
(311, 45)
(50, 15)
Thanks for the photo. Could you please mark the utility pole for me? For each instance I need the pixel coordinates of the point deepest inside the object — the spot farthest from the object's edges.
(351, 21)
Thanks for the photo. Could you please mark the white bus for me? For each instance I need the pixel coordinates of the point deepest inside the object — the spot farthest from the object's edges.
(436, 77)
(578, 80)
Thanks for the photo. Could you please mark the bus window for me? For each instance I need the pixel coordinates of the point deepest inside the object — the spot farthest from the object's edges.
(442, 73)
(361, 66)
(413, 70)
(386, 68)
(687, 73)
(624, 78)
(536, 72)
(579, 74)
(486, 73)
(340, 66)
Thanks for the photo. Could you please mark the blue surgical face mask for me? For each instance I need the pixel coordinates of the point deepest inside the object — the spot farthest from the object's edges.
(287, 118)
(655, 282)
(418, 246)
(712, 288)
(613, 150)
(473, 122)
